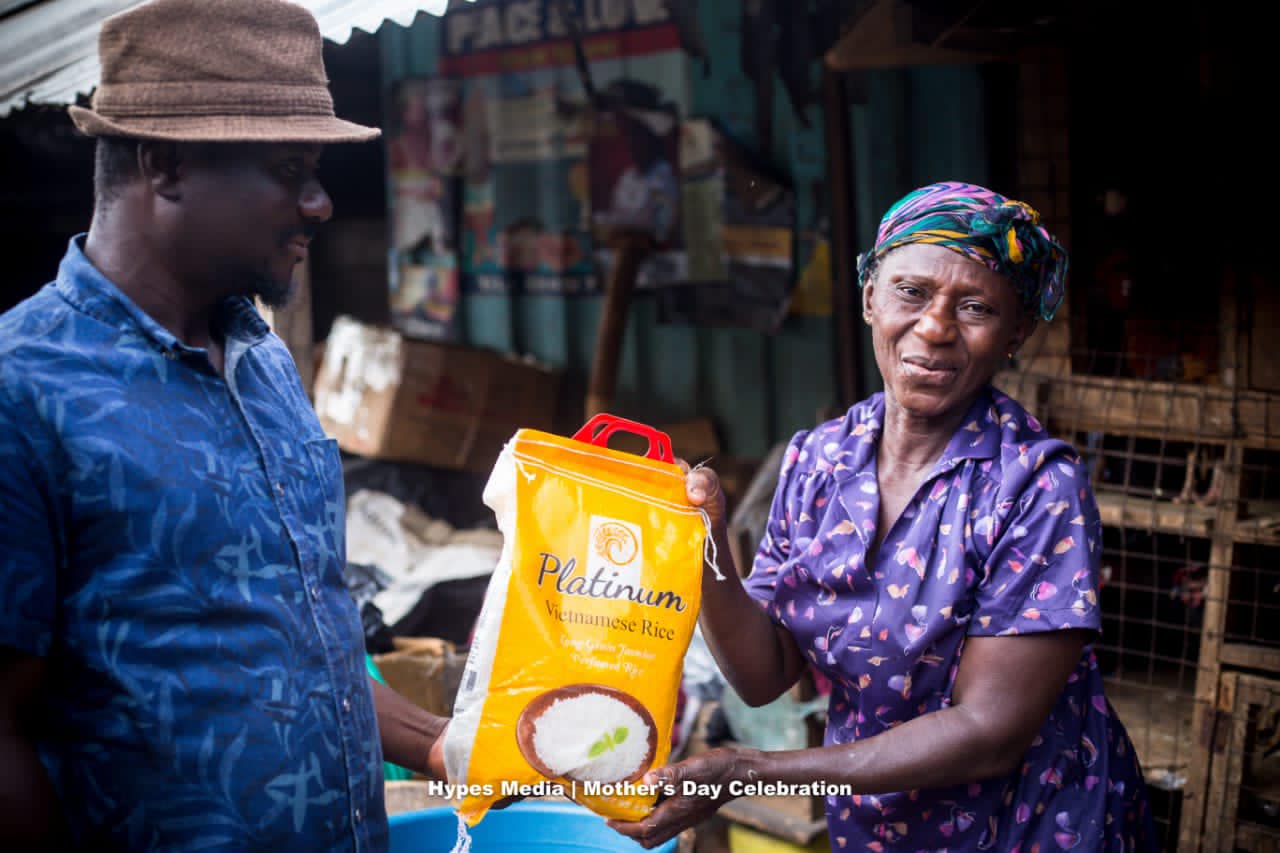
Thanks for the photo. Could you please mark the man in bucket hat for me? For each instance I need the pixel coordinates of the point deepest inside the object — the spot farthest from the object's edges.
(181, 666)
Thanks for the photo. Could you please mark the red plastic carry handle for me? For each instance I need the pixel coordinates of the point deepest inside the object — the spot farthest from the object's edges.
(597, 431)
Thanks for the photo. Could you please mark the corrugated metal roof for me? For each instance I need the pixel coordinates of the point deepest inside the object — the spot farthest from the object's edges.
(49, 47)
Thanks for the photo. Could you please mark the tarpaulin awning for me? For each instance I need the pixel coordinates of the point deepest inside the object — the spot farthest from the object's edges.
(49, 48)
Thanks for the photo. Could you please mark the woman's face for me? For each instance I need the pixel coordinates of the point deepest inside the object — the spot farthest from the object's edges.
(942, 326)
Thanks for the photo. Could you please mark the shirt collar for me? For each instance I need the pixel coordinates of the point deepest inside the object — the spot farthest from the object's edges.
(978, 436)
(84, 286)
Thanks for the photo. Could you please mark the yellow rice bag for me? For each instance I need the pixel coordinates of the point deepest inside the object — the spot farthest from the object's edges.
(572, 679)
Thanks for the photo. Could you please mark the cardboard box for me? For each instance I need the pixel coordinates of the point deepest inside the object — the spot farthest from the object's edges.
(387, 396)
(424, 670)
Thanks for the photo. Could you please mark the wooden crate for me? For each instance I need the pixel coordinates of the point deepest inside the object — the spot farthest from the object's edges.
(1178, 431)
(1242, 811)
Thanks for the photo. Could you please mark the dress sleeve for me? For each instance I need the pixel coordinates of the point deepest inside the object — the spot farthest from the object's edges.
(1042, 572)
(775, 547)
(28, 561)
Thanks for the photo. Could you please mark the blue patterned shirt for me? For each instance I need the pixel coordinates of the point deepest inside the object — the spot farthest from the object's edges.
(172, 545)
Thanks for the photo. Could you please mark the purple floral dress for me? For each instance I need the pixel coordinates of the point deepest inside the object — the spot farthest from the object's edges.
(1002, 538)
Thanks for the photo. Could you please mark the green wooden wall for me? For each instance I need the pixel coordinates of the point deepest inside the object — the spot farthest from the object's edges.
(916, 126)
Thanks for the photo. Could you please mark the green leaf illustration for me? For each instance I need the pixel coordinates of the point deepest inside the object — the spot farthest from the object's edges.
(607, 741)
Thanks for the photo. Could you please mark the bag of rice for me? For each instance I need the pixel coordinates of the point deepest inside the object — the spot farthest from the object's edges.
(572, 678)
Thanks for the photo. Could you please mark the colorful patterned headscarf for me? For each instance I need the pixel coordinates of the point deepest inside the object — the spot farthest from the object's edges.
(999, 233)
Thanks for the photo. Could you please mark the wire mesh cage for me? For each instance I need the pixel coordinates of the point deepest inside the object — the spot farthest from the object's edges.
(1161, 370)
(1184, 460)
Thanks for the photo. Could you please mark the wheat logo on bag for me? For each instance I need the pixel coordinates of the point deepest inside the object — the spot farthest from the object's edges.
(573, 673)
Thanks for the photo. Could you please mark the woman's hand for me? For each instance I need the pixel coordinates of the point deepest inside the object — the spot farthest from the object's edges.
(702, 487)
(714, 769)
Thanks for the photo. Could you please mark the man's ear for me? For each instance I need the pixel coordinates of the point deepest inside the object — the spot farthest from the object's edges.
(866, 298)
(162, 166)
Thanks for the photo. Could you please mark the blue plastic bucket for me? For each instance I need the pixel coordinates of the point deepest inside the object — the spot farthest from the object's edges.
(527, 827)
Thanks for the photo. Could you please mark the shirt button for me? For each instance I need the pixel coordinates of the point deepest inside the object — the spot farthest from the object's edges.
(315, 593)
(346, 706)
(359, 816)
(280, 489)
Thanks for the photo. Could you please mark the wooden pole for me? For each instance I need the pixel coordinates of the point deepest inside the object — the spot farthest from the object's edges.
(845, 304)
(630, 248)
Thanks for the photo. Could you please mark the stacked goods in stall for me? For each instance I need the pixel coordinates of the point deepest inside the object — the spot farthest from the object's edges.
(384, 395)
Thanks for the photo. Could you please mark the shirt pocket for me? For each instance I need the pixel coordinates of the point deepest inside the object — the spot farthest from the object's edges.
(330, 500)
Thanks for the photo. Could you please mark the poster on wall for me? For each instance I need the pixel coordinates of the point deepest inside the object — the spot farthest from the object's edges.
(814, 258)
(424, 154)
(743, 262)
(767, 55)
(532, 179)
(527, 213)
(635, 187)
(424, 297)
(422, 157)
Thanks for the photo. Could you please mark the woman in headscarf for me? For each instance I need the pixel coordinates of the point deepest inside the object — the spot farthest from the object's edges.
(935, 553)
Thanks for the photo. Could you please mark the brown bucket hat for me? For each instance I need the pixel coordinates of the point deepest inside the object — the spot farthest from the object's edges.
(215, 71)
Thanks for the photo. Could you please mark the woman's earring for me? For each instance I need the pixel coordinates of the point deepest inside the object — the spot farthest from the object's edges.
(1009, 355)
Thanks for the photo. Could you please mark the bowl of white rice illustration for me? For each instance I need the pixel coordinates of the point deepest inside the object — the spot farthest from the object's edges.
(587, 732)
